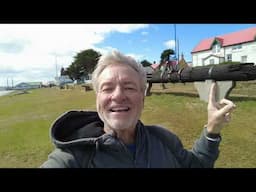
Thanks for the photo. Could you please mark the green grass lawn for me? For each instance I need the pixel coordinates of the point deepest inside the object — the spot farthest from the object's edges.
(25, 120)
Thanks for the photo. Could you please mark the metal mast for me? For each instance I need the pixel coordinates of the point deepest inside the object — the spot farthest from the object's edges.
(175, 41)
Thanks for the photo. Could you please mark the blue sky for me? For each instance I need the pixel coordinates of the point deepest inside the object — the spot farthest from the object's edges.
(32, 52)
(151, 41)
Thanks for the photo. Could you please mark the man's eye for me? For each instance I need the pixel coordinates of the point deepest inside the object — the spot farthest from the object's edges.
(108, 89)
(130, 88)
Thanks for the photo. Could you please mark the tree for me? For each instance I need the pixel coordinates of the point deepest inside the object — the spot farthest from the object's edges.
(63, 71)
(165, 56)
(145, 63)
(73, 71)
(84, 64)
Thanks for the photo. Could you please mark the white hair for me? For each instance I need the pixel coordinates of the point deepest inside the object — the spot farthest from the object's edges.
(117, 58)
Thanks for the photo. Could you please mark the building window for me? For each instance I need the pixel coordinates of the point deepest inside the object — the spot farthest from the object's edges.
(216, 48)
(237, 47)
(229, 57)
(243, 59)
(211, 61)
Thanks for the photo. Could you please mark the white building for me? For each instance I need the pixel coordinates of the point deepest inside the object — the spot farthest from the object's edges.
(238, 46)
(28, 85)
(62, 80)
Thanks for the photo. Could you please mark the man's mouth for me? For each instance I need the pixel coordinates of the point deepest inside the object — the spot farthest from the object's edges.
(119, 109)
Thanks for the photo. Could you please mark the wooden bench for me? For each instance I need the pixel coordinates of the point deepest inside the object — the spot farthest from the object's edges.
(87, 87)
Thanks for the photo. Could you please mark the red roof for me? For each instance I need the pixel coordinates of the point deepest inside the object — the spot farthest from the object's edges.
(234, 38)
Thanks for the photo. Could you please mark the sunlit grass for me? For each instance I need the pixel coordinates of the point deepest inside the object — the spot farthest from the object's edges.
(25, 120)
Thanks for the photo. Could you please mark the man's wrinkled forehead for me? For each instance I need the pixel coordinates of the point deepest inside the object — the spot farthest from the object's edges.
(123, 71)
(124, 74)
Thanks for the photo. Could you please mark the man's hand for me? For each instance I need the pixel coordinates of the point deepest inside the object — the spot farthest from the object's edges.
(218, 113)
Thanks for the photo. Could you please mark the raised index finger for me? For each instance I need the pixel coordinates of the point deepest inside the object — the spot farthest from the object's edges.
(212, 93)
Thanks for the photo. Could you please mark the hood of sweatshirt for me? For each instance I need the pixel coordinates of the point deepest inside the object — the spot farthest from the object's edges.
(77, 127)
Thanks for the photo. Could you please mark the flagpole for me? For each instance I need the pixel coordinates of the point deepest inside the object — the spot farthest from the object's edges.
(175, 41)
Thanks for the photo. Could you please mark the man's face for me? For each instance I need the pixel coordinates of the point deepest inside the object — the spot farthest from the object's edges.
(120, 98)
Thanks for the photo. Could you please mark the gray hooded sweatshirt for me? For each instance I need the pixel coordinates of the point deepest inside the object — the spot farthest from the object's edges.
(82, 143)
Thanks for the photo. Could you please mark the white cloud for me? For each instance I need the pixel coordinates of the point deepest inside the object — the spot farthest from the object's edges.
(137, 57)
(104, 50)
(29, 52)
(170, 44)
(124, 28)
(144, 33)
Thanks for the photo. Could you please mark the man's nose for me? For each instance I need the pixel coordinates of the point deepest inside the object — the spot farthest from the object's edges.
(118, 94)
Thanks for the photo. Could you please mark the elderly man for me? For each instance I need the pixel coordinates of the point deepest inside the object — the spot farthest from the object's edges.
(114, 136)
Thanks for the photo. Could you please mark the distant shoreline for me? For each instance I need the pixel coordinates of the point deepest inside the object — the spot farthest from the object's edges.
(2, 93)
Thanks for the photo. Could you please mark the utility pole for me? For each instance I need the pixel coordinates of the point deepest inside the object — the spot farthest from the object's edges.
(175, 41)
(7, 83)
(178, 51)
(56, 65)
